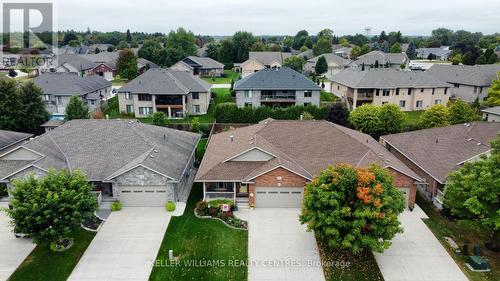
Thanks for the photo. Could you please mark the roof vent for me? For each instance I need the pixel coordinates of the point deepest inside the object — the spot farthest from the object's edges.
(155, 151)
(152, 156)
(231, 138)
(479, 143)
(469, 139)
(437, 140)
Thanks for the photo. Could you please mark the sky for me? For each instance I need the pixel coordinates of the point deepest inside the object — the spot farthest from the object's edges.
(279, 17)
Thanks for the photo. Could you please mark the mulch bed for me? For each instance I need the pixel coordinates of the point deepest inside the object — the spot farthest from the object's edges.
(93, 223)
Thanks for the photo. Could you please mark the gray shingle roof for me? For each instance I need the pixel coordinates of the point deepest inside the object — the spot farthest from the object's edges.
(65, 83)
(308, 54)
(439, 151)
(424, 52)
(206, 62)
(493, 110)
(267, 58)
(382, 58)
(163, 81)
(387, 78)
(326, 144)
(100, 148)
(77, 61)
(282, 78)
(331, 60)
(474, 75)
(9, 138)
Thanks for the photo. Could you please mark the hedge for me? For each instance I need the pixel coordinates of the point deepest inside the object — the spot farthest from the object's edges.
(230, 113)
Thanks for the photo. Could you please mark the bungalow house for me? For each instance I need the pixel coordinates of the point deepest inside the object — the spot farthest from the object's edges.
(279, 87)
(306, 55)
(491, 114)
(268, 164)
(407, 89)
(135, 163)
(260, 60)
(434, 53)
(10, 140)
(335, 64)
(59, 87)
(175, 93)
(468, 82)
(434, 153)
(342, 51)
(390, 60)
(202, 66)
(106, 64)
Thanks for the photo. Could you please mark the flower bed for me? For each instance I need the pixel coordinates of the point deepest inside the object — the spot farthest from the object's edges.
(222, 210)
(92, 224)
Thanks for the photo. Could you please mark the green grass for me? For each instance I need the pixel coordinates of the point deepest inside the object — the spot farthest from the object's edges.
(224, 80)
(200, 149)
(195, 239)
(413, 117)
(459, 232)
(347, 267)
(44, 264)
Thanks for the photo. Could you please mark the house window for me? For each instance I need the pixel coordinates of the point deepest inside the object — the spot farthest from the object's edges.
(409, 92)
(475, 89)
(92, 102)
(377, 92)
(248, 94)
(59, 99)
(445, 91)
(433, 90)
(402, 103)
(456, 85)
(480, 90)
(196, 108)
(437, 102)
(307, 94)
(397, 91)
(420, 104)
(386, 93)
(422, 90)
(145, 110)
(46, 97)
(248, 104)
(338, 87)
(128, 96)
(130, 108)
(145, 97)
(195, 96)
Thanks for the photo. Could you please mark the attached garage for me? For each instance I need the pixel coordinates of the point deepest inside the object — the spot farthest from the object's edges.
(143, 196)
(278, 197)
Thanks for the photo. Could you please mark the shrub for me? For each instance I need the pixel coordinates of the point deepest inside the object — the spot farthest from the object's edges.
(218, 202)
(3, 190)
(170, 206)
(116, 206)
(213, 211)
(159, 119)
(230, 113)
(202, 208)
(195, 125)
(225, 216)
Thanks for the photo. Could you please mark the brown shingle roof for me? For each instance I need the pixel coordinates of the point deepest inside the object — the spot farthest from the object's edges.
(303, 147)
(439, 151)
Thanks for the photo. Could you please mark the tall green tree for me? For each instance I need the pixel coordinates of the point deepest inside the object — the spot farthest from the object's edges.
(493, 98)
(396, 48)
(472, 193)
(353, 209)
(300, 39)
(435, 116)
(467, 58)
(126, 64)
(213, 50)
(411, 52)
(10, 105)
(242, 42)
(294, 62)
(460, 111)
(48, 209)
(321, 66)
(444, 35)
(76, 109)
(32, 112)
(226, 52)
(323, 46)
(392, 119)
(366, 118)
(385, 47)
(338, 114)
(129, 36)
(122, 45)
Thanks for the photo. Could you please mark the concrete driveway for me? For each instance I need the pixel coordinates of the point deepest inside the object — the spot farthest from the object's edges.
(13, 250)
(417, 255)
(125, 246)
(279, 248)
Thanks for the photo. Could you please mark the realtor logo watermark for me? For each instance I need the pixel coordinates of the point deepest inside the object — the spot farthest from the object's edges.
(28, 37)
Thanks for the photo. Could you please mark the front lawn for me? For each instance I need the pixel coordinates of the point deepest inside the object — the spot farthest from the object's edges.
(230, 75)
(413, 117)
(200, 241)
(44, 264)
(459, 232)
(343, 266)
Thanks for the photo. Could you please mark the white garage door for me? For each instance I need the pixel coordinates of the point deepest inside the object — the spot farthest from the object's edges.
(279, 197)
(143, 196)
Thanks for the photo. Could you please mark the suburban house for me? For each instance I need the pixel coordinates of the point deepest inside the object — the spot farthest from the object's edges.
(268, 164)
(434, 153)
(202, 66)
(306, 55)
(434, 53)
(135, 163)
(391, 60)
(59, 87)
(491, 114)
(335, 64)
(342, 51)
(106, 64)
(260, 60)
(407, 89)
(468, 82)
(278, 87)
(175, 93)
(10, 140)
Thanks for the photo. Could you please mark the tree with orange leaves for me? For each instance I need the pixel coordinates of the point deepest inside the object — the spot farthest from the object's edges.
(353, 209)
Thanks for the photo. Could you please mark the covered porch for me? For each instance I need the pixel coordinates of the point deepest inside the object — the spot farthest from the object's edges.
(236, 191)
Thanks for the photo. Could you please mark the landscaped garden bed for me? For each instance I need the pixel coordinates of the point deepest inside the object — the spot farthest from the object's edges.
(220, 209)
(92, 224)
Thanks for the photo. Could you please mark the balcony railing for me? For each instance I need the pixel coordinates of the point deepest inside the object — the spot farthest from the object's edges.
(277, 97)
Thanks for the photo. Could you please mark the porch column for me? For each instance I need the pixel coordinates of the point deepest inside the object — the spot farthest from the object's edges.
(204, 191)
(169, 112)
(153, 98)
(354, 99)
(234, 192)
(183, 106)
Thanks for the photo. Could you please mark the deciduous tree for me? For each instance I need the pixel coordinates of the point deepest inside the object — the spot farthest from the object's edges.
(126, 64)
(435, 116)
(76, 109)
(321, 66)
(460, 111)
(294, 62)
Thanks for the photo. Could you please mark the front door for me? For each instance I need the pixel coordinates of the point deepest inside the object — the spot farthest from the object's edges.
(242, 190)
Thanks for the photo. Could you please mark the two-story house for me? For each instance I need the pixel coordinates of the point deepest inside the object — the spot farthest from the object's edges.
(260, 60)
(407, 89)
(202, 66)
(279, 87)
(59, 87)
(175, 93)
